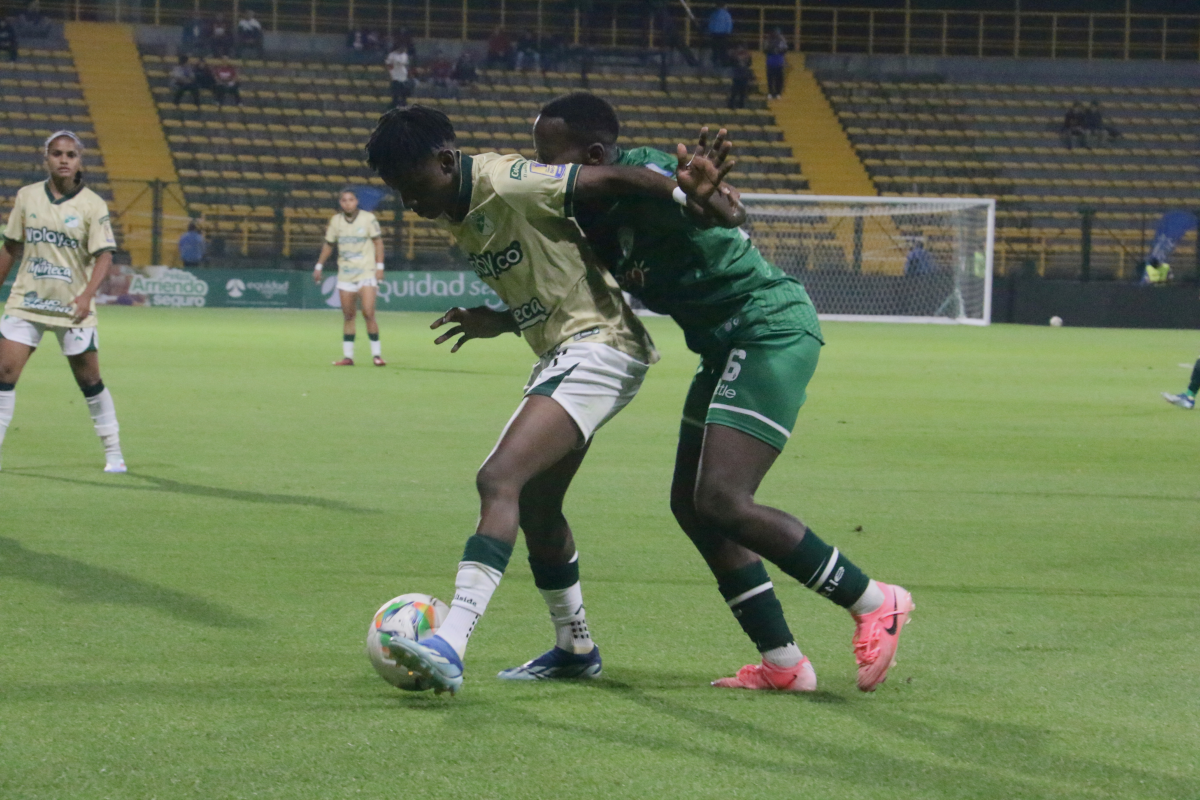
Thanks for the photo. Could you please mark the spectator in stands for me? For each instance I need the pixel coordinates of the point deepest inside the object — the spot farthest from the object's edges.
(777, 47)
(464, 69)
(742, 75)
(226, 77)
(356, 40)
(191, 40)
(221, 41)
(33, 22)
(1093, 124)
(183, 79)
(192, 246)
(249, 34)
(1072, 127)
(528, 52)
(8, 38)
(1156, 273)
(554, 49)
(205, 81)
(397, 67)
(720, 27)
(441, 70)
(500, 50)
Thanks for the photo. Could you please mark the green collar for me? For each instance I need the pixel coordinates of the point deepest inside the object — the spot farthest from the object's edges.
(350, 220)
(65, 197)
(466, 185)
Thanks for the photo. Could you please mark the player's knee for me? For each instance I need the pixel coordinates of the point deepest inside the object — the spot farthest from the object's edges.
(720, 505)
(494, 481)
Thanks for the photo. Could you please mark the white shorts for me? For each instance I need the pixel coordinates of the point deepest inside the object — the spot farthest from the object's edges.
(591, 381)
(73, 341)
(347, 286)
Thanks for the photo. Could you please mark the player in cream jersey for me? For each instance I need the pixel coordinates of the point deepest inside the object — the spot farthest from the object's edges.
(360, 268)
(60, 237)
(514, 219)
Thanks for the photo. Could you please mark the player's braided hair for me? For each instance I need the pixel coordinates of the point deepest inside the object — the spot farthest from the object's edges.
(589, 118)
(405, 137)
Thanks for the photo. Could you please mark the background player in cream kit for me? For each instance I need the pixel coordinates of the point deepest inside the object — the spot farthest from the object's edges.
(360, 268)
(60, 237)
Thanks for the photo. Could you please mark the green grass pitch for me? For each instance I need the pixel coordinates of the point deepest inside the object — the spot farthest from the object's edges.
(194, 629)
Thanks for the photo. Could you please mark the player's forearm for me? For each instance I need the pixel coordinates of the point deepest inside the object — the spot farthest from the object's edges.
(9, 255)
(99, 272)
(326, 252)
(379, 251)
(594, 184)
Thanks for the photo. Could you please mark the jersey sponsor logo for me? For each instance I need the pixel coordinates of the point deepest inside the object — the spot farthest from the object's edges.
(555, 171)
(494, 263)
(530, 314)
(35, 303)
(585, 334)
(515, 172)
(42, 269)
(47, 236)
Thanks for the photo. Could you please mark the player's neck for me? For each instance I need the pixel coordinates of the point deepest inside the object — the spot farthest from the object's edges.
(60, 187)
(350, 217)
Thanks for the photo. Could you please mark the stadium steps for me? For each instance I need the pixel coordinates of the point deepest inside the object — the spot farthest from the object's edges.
(127, 129)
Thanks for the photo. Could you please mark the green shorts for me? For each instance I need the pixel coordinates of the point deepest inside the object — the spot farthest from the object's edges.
(756, 388)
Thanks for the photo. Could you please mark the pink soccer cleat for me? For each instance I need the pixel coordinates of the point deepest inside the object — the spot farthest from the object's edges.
(344, 362)
(876, 635)
(800, 678)
(377, 361)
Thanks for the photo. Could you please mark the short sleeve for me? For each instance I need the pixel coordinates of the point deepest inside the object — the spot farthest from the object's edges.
(100, 232)
(330, 234)
(14, 231)
(373, 230)
(536, 190)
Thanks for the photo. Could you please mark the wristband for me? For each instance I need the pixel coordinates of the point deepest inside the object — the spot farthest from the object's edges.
(379, 266)
(320, 267)
(679, 196)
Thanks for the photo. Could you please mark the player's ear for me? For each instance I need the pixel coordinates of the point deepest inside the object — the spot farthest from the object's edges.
(596, 154)
(446, 160)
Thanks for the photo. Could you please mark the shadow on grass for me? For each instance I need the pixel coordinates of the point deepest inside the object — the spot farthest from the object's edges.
(84, 583)
(156, 484)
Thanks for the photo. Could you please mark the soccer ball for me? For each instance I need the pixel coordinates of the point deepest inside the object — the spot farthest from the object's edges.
(1056, 322)
(411, 616)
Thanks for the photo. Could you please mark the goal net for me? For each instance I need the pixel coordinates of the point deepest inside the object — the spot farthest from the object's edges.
(886, 259)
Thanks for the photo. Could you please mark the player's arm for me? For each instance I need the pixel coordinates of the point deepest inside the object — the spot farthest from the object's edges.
(378, 258)
(326, 252)
(83, 300)
(480, 322)
(9, 254)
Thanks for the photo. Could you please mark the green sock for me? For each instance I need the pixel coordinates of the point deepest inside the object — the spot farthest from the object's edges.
(750, 595)
(825, 570)
(1194, 386)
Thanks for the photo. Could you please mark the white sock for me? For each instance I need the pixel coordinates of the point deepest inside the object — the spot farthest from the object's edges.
(348, 348)
(473, 589)
(787, 656)
(569, 618)
(104, 418)
(8, 400)
(376, 347)
(870, 601)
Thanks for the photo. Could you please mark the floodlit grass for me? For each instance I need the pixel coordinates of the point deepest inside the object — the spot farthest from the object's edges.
(195, 628)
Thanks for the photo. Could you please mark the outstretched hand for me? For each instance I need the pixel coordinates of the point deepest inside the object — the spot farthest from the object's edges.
(480, 322)
(701, 172)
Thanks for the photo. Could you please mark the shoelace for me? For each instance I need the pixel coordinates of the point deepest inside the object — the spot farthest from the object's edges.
(866, 650)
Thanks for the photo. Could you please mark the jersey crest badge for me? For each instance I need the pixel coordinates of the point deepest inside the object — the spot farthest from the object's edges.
(483, 225)
(625, 237)
(71, 221)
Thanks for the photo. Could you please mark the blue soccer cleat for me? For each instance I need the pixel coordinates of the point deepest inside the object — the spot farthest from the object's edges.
(556, 664)
(1183, 400)
(433, 659)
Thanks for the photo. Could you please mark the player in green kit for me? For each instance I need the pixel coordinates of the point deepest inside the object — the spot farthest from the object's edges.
(758, 339)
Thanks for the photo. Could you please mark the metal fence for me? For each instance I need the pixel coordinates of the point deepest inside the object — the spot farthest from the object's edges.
(811, 29)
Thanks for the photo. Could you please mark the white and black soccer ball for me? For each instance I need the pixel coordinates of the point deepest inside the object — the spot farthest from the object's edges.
(410, 616)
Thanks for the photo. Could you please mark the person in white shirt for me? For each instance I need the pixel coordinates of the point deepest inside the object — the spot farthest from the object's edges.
(397, 66)
(249, 34)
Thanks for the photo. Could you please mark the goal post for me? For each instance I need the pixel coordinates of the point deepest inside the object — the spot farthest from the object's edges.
(882, 259)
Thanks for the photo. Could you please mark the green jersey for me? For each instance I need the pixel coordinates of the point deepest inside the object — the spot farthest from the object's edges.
(714, 283)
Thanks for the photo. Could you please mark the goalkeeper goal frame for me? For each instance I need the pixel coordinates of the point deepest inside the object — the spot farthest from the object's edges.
(950, 270)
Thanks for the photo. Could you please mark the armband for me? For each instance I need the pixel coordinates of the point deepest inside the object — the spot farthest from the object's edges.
(679, 196)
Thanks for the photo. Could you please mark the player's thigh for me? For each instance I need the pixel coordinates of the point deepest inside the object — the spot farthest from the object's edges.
(366, 296)
(18, 339)
(349, 303)
(763, 386)
(691, 432)
(81, 346)
(537, 436)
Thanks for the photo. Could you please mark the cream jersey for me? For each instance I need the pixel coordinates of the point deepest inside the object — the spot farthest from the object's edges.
(521, 239)
(62, 239)
(355, 240)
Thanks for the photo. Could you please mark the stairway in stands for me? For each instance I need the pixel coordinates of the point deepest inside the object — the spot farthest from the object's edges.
(128, 132)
